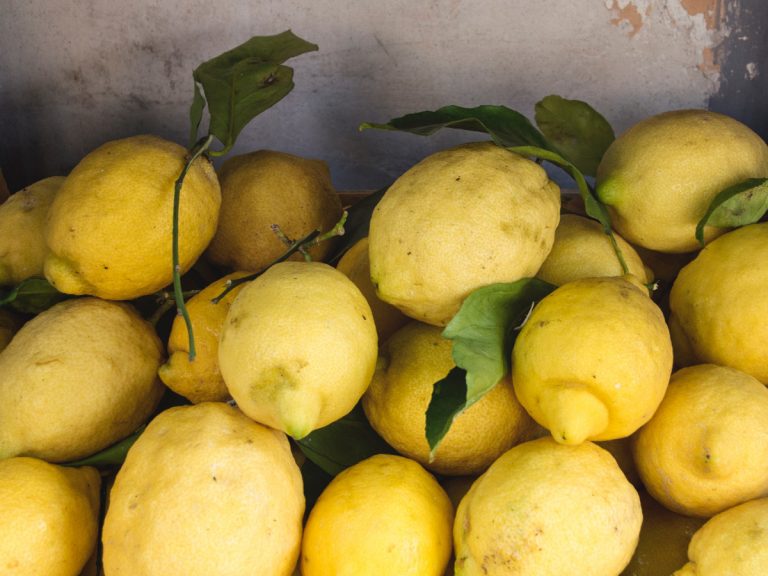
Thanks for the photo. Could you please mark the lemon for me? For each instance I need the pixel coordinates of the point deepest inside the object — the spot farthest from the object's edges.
(664, 538)
(205, 490)
(460, 219)
(583, 250)
(77, 378)
(545, 508)
(384, 515)
(705, 450)
(298, 347)
(409, 364)
(200, 380)
(659, 177)
(109, 228)
(48, 517)
(716, 314)
(593, 360)
(356, 265)
(266, 188)
(22, 220)
(733, 542)
(621, 450)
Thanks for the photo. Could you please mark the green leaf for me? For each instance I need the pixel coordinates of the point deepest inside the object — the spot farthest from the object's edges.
(32, 296)
(738, 205)
(111, 457)
(506, 126)
(343, 443)
(576, 129)
(483, 332)
(244, 82)
(356, 227)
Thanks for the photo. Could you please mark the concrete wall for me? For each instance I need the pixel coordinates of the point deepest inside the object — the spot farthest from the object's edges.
(74, 74)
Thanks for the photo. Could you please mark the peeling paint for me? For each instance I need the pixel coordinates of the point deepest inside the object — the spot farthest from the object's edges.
(702, 22)
(752, 70)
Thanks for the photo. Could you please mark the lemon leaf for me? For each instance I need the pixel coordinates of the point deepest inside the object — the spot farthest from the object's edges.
(483, 332)
(356, 227)
(343, 443)
(506, 126)
(32, 296)
(241, 83)
(738, 205)
(111, 457)
(576, 129)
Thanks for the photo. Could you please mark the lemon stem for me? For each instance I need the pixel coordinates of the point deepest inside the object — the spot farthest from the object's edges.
(619, 253)
(181, 308)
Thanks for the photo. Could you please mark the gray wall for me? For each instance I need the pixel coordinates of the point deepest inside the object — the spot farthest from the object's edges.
(74, 74)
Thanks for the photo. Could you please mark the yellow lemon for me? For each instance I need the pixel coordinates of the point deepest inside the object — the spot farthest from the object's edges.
(716, 315)
(544, 508)
(593, 360)
(705, 449)
(356, 265)
(462, 218)
(298, 347)
(583, 250)
(49, 517)
(200, 380)
(659, 177)
(205, 490)
(266, 188)
(22, 220)
(664, 538)
(733, 542)
(109, 228)
(77, 378)
(409, 364)
(385, 515)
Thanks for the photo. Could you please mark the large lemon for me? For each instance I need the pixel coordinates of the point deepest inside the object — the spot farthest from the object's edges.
(593, 360)
(298, 347)
(659, 177)
(109, 228)
(733, 542)
(49, 517)
(22, 220)
(199, 380)
(409, 364)
(547, 509)
(383, 516)
(717, 314)
(462, 218)
(205, 490)
(266, 188)
(77, 378)
(705, 449)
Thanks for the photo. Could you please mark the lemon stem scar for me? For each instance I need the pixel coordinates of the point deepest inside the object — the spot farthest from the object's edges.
(198, 149)
(574, 413)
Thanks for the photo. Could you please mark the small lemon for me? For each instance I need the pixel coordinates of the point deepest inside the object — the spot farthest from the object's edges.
(49, 517)
(659, 177)
(109, 228)
(385, 515)
(200, 380)
(77, 378)
(356, 265)
(716, 313)
(460, 219)
(22, 220)
(298, 347)
(705, 449)
(266, 188)
(664, 538)
(593, 360)
(409, 364)
(583, 250)
(735, 542)
(205, 490)
(547, 509)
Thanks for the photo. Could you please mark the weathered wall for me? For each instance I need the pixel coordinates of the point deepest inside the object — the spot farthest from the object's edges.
(75, 73)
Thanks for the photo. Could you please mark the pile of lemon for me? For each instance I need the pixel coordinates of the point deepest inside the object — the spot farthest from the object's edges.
(630, 436)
